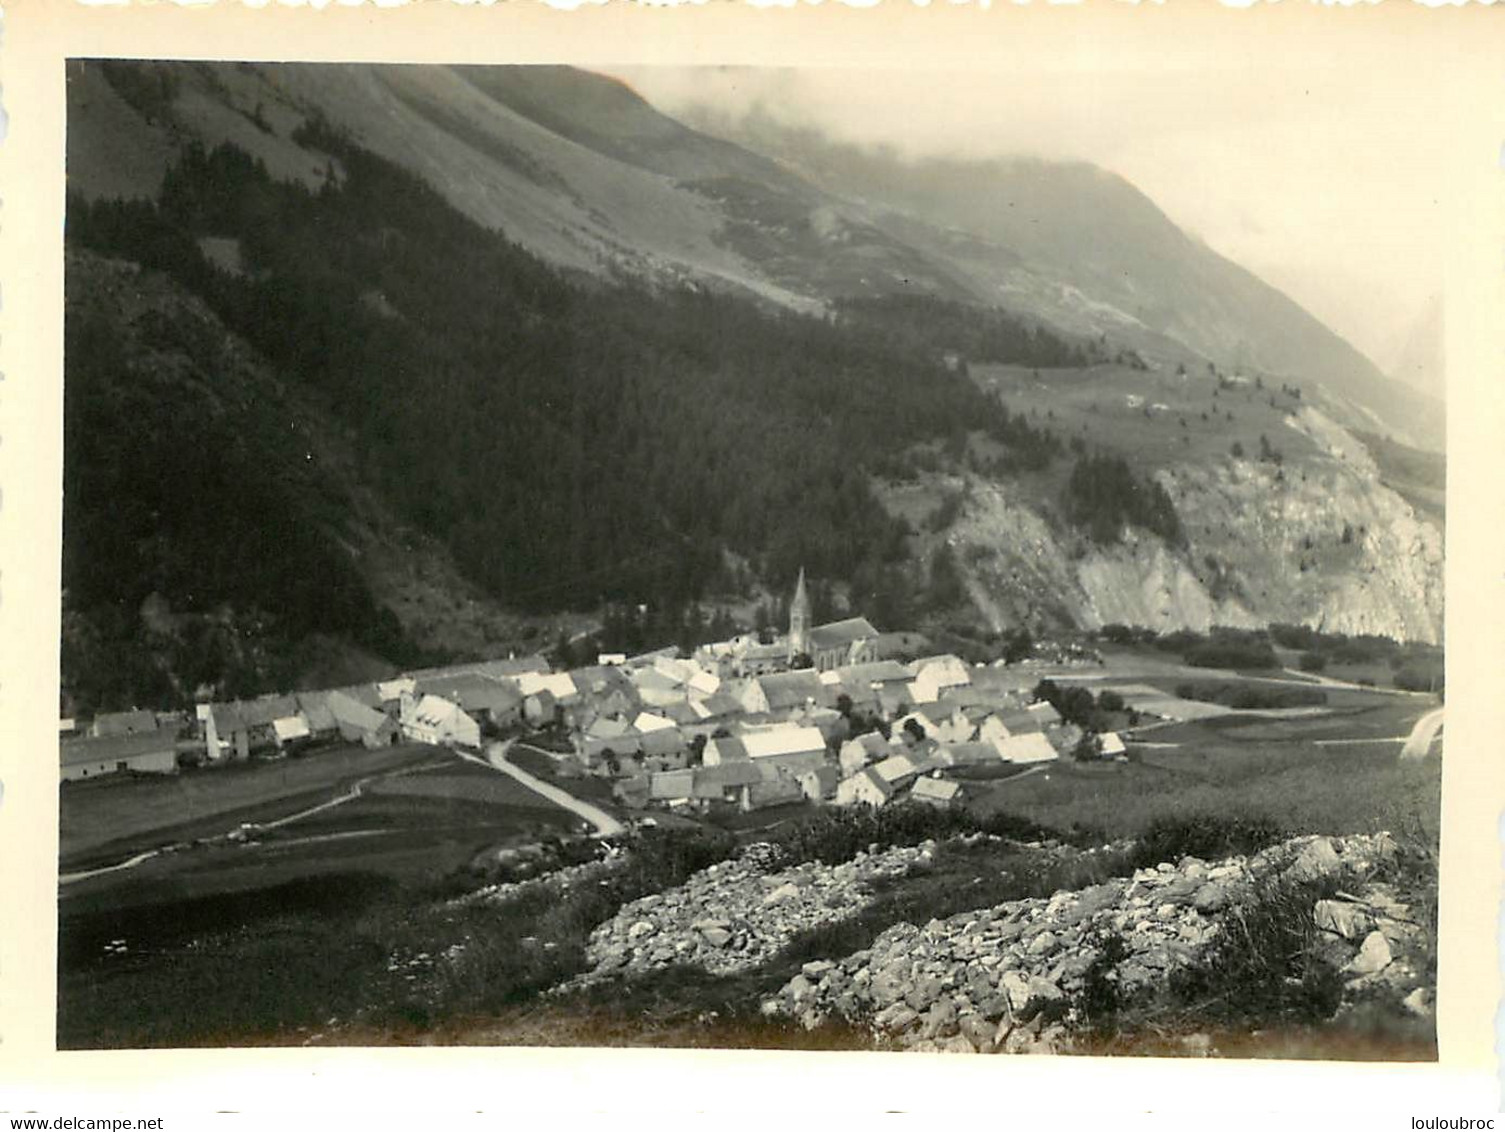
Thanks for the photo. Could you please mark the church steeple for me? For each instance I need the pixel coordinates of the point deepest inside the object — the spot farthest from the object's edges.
(799, 619)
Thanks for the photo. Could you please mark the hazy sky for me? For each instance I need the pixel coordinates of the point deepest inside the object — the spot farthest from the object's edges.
(1324, 173)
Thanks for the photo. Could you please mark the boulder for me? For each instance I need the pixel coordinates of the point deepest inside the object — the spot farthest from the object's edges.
(978, 1030)
(1015, 984)
(895, 1018)
(890, 983)
(717, 937)
(1347, 920)
(1043, 944)
(1374, 955)
(1317, 860)
(940, 1019)
(1179, 891)
(1212, 897)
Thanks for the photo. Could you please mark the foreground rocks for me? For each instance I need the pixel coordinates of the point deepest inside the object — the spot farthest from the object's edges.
(558, 882)
(736, 915)
(1015, 977)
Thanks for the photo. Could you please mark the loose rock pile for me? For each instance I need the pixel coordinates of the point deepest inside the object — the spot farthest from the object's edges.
(559, 881)
(1010, 978)
(735, 915)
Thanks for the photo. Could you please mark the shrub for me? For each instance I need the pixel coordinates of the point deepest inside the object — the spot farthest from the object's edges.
(1267, 964)
(1312, 662)
(1204, 835)
(836, 835)
(1416, 678)
(1109, 700)
(1231, 654)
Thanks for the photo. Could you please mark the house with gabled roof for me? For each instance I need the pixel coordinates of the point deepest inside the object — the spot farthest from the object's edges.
(481, 697)
(225, 733)
(664, 744)
(936, 674)
(672, 785)
(819, 784)
(657, 689)
(896, 770)
(757, 659)
(791, 749)
(717, 706)
(727, 782)
(936, 792)
(724, 751)
(967, 754)
(1045, 713)
(141, 752)
(540, 708)
(441, 722)
(359, 722)
(1029, 747)
(790, 691)
(865, 788)
(314, 708)
(1020, 722)
(873, 674)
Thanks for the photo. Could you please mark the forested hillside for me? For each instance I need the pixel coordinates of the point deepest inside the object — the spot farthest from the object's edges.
(570, 442)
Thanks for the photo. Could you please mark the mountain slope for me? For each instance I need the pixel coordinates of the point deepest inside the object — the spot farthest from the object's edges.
(1082, 248)
(581, 171)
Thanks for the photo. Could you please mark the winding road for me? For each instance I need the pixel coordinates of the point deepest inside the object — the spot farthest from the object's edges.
(496, 758)
(1419, 742)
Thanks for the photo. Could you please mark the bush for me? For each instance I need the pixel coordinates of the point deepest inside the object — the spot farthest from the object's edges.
(1109, 700)
(1267, 966)
(1204, 835)
(1247, 697)
(1416, 678)
(1231, 654)
(1312, 662)
(837, 835)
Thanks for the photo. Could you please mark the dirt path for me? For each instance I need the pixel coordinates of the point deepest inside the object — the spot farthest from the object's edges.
(496, 758)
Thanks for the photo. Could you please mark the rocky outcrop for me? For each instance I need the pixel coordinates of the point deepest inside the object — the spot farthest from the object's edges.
(1319, 539)
(1015, 977)
(737, 914)
(1324, 542)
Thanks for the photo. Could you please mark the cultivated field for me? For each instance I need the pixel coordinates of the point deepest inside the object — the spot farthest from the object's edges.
(107, 819)
(1333, 768)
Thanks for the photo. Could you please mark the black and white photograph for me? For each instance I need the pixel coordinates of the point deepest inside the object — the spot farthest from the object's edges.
(867, 558)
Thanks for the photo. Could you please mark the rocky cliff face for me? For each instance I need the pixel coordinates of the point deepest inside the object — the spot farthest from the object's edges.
(1320, 541)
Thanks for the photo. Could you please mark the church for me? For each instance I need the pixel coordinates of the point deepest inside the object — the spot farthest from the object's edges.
(839, 643)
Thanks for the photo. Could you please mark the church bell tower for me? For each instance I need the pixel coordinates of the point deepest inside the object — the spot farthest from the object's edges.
(799, 620)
